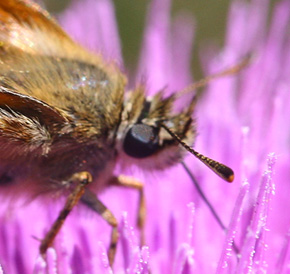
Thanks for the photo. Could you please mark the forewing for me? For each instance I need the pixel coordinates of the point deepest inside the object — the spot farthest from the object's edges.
(27, 126)
(30, 107)
(26, 26)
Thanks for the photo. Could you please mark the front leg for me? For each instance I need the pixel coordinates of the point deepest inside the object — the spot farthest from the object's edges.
(131, 182)
(92, 201)
(81, 179)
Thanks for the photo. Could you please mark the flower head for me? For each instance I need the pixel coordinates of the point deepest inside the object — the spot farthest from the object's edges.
(242, 121)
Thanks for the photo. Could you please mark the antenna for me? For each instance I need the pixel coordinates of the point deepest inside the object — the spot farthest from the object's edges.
(207, 202)
(221, 170)
(203, 82)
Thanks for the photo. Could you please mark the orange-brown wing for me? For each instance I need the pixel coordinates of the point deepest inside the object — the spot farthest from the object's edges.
(26, 26)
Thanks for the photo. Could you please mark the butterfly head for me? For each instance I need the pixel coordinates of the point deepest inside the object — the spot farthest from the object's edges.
(144, 140)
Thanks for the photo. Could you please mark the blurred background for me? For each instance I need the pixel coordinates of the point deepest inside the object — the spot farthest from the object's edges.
(210, 24)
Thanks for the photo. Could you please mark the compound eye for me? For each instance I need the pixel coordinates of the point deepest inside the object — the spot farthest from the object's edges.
(141, 141)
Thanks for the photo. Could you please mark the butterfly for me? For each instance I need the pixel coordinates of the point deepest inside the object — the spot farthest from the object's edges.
(67, 119)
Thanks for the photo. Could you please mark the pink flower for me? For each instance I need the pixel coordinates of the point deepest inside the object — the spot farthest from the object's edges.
(243, 121)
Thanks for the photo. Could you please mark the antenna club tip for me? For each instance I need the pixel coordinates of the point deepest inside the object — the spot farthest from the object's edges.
(231, 178)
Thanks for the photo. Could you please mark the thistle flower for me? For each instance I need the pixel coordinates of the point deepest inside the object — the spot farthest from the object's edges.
(242, 121)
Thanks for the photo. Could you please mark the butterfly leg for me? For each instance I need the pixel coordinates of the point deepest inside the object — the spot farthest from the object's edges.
(91, 200)
(81, 180)
(131, 182)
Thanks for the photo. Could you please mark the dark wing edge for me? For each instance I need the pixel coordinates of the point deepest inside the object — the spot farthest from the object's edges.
(27, 125)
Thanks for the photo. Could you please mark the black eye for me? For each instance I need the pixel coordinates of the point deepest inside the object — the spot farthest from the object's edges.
(141, 141)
